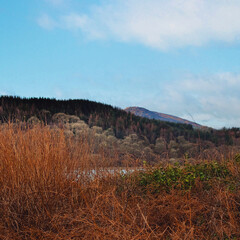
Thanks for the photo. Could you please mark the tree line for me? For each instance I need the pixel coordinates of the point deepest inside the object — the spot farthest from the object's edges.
(106, 116)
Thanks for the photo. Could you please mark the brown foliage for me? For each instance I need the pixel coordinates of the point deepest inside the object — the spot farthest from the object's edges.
(48, 191)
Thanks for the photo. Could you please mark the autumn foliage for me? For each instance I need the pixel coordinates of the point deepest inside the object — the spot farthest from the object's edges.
(54, 186)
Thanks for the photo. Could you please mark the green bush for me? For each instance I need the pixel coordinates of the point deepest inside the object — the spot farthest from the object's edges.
(173, 177)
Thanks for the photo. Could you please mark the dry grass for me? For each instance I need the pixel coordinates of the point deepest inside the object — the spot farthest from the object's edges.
(43, 196)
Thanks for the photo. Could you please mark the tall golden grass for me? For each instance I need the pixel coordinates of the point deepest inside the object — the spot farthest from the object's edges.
(47, 192)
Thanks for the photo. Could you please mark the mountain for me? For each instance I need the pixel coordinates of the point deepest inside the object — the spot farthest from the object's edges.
(142, 112)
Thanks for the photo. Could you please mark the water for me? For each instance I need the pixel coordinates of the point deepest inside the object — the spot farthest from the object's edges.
(102, 172)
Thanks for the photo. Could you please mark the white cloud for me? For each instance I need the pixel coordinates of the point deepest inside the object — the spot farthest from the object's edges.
(210, 100)
(46, 22)
(74, 21)
(159, 23)
(56, 3)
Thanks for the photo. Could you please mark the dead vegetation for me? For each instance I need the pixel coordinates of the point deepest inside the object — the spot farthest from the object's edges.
(47, 192)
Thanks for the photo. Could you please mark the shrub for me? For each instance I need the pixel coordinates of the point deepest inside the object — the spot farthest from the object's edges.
(174, 177)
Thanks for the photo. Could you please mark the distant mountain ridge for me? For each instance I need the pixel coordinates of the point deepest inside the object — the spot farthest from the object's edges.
(143, 112)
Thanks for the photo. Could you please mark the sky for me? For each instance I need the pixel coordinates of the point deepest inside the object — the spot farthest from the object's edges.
(180, 57)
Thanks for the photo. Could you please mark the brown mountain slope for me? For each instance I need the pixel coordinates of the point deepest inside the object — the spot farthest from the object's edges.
(142, 112)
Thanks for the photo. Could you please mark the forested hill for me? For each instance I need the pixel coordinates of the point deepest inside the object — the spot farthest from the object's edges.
(106, 116)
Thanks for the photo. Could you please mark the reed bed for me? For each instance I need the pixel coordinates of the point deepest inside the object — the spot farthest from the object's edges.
(46, 192)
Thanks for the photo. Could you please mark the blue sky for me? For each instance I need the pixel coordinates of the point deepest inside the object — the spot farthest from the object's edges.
(180, 57)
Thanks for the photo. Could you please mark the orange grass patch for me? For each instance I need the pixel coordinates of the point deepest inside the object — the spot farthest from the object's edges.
(43, 196)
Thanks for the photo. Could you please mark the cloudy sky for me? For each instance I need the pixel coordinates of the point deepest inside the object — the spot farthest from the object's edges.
(180, 57)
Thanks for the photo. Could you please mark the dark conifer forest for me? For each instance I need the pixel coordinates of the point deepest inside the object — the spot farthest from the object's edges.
(107, 116)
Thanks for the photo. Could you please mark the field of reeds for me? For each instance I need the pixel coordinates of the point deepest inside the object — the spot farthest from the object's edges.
(48, 191)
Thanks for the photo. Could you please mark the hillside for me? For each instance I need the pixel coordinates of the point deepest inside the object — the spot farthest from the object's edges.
(115, 127)
(94, 114)
(142, 112)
